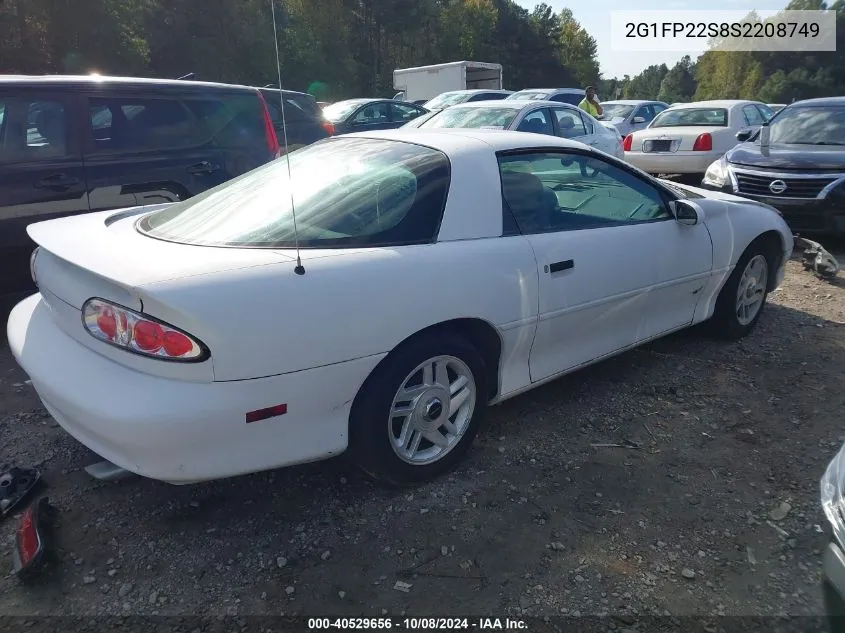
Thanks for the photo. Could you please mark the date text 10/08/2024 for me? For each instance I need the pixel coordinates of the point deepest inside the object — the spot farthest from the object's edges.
(417, 624)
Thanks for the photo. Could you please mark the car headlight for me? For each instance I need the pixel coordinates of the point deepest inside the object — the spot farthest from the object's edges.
(717, 174)
(833, 504)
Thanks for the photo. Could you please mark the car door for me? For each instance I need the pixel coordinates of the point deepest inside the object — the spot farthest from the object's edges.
(401, 113)
(615, 267)
(373, 116)
(646, 113)
(570, 124)
(41, 173)
(537, 121)
(142, 149)
(753, 117)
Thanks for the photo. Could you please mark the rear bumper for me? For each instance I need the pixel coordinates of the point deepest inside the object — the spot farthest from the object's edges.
(180, 431)
(672, 162)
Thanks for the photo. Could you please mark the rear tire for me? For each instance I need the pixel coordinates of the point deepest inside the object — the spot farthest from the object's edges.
(419, 411)
(743, 297)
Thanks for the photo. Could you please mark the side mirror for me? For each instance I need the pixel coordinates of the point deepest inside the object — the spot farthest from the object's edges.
(685, 212)
(638, 119)
(745, 134)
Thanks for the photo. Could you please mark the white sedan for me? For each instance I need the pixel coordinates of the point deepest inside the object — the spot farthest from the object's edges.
(436, 272)
(538, 117)
(687, 138)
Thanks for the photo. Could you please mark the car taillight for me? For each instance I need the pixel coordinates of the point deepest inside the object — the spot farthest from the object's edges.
(139, 333)
(628, 142)
(704, 143)
(269, 130)
(328, 126)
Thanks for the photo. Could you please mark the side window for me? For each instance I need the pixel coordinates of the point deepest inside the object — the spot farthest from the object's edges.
(645, 112)
(373, 113)
(568, 97)
(402, 112)
(765, 111)
(537, 122)
(658, 108)
(31, 129)
(130, 124)
(569, 123)
(551, 191)
(752, 115)
(588, 123)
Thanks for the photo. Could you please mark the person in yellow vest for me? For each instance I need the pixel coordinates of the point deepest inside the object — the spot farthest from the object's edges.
(590, 104)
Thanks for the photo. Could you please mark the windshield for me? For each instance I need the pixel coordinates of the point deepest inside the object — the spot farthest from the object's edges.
(347, 192)
(710, 117)
(446, 99)
(529, 96)
(822, 125)
(616, 110)
(473, 117)
(340, 110)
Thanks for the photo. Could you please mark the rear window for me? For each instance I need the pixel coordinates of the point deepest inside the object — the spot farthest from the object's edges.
(347, 192)
(677, 117)
(297, 108)
(339, 111)
(489, 117)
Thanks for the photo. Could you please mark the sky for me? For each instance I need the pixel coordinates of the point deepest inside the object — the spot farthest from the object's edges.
(619, 63)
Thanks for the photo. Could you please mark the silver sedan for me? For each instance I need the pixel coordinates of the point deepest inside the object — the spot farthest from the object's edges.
(539, 117)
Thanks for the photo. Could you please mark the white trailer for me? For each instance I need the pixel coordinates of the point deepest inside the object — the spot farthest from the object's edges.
(426, 82)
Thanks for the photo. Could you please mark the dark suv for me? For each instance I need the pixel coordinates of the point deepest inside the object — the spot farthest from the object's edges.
(77, 144)
(303, 118)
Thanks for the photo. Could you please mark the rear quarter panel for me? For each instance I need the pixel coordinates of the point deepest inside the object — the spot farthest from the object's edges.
(268, 320)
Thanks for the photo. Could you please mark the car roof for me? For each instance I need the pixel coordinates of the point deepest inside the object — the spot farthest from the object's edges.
(716, 103)
(99, 80)
(570, 90)
(455, 141)
(629, 102)
(513, 105)
(476, 91)
(821, 101)
(296, 93)
(362, 100)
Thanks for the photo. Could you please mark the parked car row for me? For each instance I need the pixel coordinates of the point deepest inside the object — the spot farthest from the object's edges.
(72, 145)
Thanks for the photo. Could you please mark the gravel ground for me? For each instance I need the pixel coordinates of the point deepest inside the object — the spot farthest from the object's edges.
(716, 512)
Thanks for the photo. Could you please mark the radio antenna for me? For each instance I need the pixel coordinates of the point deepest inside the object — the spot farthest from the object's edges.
(299, 269)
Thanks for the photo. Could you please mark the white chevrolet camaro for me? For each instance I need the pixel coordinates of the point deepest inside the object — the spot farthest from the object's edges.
(441, 271)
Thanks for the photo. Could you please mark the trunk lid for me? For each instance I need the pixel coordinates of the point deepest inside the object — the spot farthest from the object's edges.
(102, 254)
(674, 139)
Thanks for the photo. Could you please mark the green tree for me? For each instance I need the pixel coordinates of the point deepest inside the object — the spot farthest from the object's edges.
(679, 83)
(647, 84)
(577, 49)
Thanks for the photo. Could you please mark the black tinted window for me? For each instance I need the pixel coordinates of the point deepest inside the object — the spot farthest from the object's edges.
(230, 121)
(128, 124)
(570, 98)
(297, 108)
(33, 128)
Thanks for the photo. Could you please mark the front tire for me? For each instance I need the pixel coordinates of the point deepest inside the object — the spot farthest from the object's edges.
(743, 297)
(419, 410)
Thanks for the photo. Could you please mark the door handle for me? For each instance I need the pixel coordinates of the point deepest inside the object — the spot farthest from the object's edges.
(56, 182)
(203, 167)
(559, 266)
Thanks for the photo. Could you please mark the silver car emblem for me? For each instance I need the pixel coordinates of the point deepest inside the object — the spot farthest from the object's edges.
(777, 186)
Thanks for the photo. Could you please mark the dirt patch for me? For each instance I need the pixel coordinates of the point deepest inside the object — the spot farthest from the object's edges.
(536, 521)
